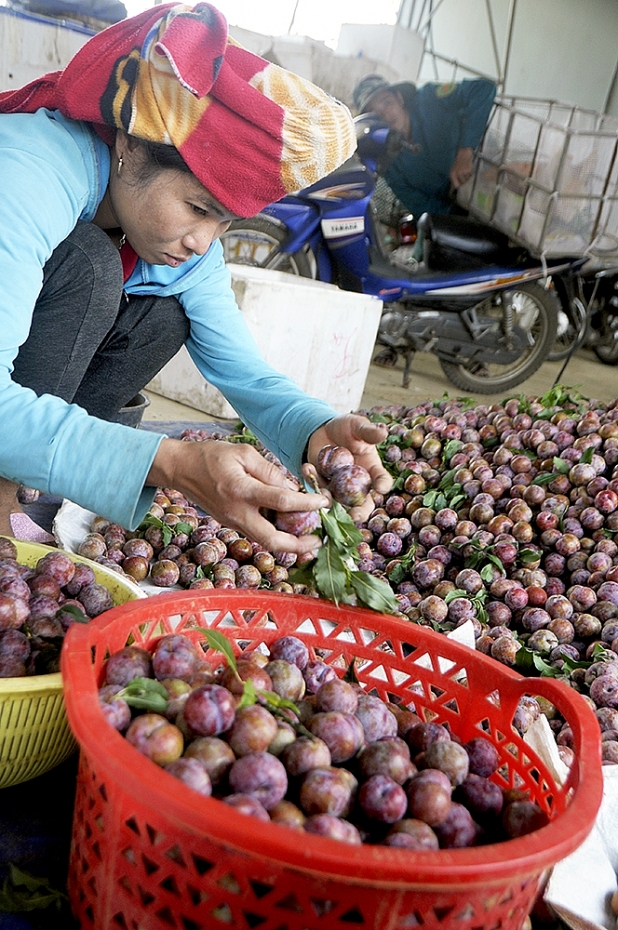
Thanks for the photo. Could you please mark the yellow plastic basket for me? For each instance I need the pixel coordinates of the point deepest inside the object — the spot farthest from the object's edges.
(34, 733)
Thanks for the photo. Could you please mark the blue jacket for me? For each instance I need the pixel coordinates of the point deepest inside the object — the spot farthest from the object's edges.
(54, 172)
(443, 119)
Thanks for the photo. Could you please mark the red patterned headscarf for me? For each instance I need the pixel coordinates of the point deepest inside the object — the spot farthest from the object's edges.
(249, 130)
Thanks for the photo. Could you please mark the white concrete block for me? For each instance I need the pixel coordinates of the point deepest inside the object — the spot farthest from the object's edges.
(318, 335)
(31, 45)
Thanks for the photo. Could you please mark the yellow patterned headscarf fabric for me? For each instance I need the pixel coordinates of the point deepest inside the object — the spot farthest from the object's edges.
(249, 130)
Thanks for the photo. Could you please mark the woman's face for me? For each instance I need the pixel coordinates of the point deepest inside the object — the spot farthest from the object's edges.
(167, 216)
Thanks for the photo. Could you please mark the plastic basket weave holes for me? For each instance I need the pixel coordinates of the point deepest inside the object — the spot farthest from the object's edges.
(162, 880)
(148, 855)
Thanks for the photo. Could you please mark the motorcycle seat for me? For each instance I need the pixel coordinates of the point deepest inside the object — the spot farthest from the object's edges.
(465, 235)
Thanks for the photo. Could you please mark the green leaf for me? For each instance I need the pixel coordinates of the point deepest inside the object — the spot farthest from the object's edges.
(481, 613)
(546, 670)
(495, 561)
(145, 694)
(524, 659)
(587, 455)
(182, 528)
(341, 529)
(600, 651)
(529, 555)
(435, 500)
(451, 448)
(78, 615)
(331, 574)
(350, 674)
(250, 694)
(373, 592)
(457, 500)
(545, 477)
(560, 395)
(220, 643)
(24, 892)
(151, 520)
(457, 592)
(303, 574)
(398, 574)
(561, 465)
(277, 702)
(430, 497)
(447, 480)
(487, 574)
(243, 434)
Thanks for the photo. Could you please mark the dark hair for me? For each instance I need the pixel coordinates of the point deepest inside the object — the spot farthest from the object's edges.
(158, 156)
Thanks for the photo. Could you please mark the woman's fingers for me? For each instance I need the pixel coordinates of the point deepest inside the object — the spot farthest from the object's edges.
(234, 484)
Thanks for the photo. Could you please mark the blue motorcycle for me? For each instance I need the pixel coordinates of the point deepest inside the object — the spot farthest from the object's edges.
(486, 308)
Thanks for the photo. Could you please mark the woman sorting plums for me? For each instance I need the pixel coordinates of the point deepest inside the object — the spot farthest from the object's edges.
(117, 177)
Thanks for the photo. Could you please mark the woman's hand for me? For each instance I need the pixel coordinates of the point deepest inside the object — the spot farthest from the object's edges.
(231, 482)
(360, 436)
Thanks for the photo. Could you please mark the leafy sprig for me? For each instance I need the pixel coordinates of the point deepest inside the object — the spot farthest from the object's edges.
(243, 434)
(477, 601)
(145, 694)
(449, 492)
(22, 891)
(558, 397)
(251, 694)
(333, 573)
(399, 572)
(167, 531)
(480, 558)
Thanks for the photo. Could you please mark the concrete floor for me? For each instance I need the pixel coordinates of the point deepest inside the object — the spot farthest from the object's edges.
(384, 386)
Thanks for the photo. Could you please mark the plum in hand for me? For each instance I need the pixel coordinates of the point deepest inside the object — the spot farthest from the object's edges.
(348, 483)
(297, 522)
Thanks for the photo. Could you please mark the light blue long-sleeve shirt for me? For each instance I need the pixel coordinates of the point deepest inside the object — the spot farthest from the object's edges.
(54, 172)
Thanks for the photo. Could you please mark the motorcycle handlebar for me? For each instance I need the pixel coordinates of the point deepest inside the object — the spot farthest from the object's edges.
(377, 143)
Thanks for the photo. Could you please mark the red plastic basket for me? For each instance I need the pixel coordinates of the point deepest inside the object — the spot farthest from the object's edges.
(148, 854)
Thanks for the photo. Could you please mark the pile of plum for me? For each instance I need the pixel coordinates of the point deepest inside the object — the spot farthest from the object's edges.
(279, 736)
(39, 604)
(501, 515)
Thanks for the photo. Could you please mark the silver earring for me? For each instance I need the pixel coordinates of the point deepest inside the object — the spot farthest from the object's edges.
(119, 166)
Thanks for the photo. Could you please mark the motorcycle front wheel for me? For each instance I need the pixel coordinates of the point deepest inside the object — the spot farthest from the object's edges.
(606, 346)
(572, 324)
(534, 310)
(257, 241)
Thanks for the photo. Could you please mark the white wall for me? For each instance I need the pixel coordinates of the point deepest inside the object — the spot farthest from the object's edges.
(337, 72)
(564, 50)
(394, 45)
(566, 47)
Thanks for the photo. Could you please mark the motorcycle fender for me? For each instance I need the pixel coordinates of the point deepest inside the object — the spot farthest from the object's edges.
(299, 222)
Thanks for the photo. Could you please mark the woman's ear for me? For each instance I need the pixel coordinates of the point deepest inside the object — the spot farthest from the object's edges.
(125, 144)
(120, 143)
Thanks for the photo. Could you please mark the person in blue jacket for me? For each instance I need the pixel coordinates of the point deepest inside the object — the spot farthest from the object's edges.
(117, 177)
(443, 124)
